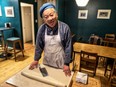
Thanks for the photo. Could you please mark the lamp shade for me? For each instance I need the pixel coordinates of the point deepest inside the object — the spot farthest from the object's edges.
(82, 3)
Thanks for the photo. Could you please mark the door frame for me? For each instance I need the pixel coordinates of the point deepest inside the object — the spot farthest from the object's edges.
(32, 19)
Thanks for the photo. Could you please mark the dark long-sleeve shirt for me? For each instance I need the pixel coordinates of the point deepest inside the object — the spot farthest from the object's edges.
(65, 36)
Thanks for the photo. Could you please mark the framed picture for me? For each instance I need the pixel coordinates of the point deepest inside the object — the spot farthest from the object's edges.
(103, 14)
(9, 11)
(0, 11)
(82, 14)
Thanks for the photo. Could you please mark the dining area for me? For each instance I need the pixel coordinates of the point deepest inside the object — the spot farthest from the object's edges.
(104, 55)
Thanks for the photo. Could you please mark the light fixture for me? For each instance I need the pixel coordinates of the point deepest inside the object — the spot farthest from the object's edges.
(82, 3)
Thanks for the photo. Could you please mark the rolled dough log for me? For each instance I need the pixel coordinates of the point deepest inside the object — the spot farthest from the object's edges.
(48, 80)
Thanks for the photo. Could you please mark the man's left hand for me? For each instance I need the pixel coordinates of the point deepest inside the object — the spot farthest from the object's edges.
(66, 70)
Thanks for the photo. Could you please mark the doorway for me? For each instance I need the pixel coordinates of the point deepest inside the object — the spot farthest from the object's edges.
(27, 23)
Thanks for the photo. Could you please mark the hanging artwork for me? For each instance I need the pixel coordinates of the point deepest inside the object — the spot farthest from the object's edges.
(9, 11)
(82, 14)
(103, 14)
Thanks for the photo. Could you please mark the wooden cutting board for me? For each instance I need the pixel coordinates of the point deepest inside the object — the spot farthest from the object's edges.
(55, 76)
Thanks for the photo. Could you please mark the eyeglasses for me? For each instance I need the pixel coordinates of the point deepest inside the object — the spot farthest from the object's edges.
(50, 15)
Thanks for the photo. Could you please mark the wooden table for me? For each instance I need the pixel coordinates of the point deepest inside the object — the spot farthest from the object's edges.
(103, 51)
(2, 29)
(55, 76)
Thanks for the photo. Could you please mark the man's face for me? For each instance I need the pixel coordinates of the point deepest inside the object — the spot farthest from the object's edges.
(50, 17)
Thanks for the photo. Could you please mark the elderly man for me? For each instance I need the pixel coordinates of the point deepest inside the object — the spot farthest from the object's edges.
(54, 39)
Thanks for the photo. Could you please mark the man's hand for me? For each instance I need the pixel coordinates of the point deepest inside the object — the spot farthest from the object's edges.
(66, 70)
(33, 65)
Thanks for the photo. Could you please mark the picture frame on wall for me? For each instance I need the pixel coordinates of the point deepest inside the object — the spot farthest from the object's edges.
(0, 11)
(104, 14)
(82, 14)
(9, 11)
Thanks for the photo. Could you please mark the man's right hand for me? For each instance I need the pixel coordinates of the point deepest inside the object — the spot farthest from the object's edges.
(33, 65)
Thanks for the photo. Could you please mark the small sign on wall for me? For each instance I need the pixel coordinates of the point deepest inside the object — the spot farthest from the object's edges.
(9, 11)
(103, 14)
(82, 14)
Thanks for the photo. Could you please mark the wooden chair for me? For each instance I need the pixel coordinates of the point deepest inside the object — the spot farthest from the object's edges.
(95, 39)
(112, 79)
(110, 36)
(88, 62)
(15, 40)
(109, 61)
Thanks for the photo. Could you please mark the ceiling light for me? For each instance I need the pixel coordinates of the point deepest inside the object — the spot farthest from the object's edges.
(82, 3)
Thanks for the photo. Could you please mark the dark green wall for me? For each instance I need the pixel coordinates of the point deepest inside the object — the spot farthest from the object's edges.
(85, 28)
(60, 8)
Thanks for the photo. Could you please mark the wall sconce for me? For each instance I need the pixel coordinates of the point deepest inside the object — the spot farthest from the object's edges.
(82, 3)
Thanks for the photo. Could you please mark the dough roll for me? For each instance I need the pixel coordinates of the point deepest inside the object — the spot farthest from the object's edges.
(48, 80)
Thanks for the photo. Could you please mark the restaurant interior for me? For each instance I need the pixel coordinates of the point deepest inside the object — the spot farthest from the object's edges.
(93, 33)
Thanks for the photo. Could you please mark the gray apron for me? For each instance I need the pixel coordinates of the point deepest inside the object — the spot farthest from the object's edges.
(53, 50)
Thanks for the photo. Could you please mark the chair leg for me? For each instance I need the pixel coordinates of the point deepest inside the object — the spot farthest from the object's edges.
(73, 61)
(6, 50)
(94, 72)
(14, 50)
(21, 48)
(105, 68)
(101, 62)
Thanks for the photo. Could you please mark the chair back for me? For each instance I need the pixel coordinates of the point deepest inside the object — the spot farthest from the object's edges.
(110, 36)
(94, 39)
(88, 61)
(112, 79)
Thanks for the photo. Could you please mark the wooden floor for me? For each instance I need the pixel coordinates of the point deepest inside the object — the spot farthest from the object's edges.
(9, 67)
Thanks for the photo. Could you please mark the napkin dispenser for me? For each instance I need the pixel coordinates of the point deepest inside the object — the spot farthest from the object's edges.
(82, 77)
(7, 25)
